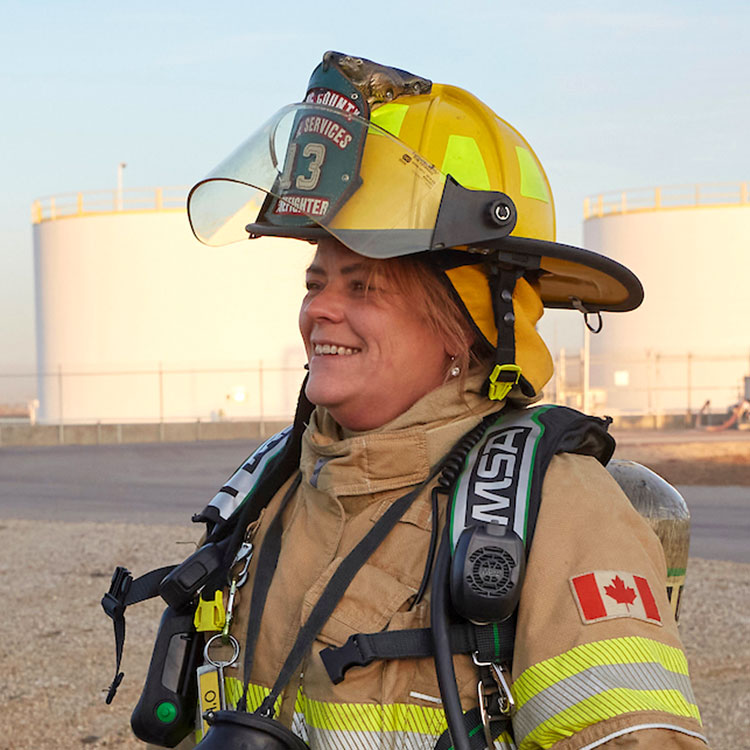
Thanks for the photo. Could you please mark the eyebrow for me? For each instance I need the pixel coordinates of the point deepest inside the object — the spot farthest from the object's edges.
(316, 269)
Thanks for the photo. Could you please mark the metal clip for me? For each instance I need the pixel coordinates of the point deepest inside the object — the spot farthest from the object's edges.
(230, 612)
(493, 692)
(244, 555)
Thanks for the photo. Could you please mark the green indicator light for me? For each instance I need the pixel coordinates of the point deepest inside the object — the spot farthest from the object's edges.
(166, 712)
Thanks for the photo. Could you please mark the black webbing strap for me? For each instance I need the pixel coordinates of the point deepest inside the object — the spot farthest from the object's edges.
(123, 592)
(266, 567)
(475, 729)
(334, 591)
(502, 283)
(490, 642)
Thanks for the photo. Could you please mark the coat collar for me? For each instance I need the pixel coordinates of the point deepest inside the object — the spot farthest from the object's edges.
(397, 455)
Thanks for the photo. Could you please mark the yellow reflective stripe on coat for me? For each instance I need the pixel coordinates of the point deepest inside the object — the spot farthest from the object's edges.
(256, 694)
(597, 681)
(351, 726)
(358, 726)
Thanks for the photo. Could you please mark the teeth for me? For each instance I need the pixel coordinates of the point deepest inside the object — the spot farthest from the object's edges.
(334, 349)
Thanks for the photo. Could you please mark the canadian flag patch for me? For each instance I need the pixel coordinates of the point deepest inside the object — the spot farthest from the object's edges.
(607, 594)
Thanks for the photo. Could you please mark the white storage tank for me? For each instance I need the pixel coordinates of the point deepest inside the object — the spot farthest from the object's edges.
(689, 342)
(138, 321)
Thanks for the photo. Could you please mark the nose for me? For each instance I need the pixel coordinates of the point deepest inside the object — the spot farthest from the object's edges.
(325, 304)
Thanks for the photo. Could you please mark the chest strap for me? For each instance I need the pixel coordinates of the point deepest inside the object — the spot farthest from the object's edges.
(493, 643)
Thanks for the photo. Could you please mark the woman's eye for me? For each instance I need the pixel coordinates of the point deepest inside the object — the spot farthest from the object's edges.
(312, 285)
(359, 285)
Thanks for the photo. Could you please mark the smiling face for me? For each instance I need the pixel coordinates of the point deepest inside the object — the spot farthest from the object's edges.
(371, 355)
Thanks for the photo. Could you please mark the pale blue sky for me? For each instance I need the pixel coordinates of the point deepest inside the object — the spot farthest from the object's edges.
(610, 95)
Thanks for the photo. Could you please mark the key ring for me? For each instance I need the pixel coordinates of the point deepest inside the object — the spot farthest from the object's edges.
(221, 664)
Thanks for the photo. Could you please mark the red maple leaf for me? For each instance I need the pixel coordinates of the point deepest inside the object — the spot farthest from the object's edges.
(621, 593)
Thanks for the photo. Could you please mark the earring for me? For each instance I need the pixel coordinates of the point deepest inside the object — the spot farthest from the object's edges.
(455, 371)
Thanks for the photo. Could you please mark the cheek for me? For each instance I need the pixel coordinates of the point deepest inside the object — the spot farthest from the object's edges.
(304, 324)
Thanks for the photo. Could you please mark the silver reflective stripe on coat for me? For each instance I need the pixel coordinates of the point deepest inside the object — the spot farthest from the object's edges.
(329, 739)
(242, 482)
(598, 680)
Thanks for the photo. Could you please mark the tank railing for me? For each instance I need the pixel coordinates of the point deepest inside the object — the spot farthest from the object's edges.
(108, 201)
(666, 196)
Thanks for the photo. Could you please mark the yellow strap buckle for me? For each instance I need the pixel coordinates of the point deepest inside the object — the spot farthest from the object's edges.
(210, 615)
(508, 376)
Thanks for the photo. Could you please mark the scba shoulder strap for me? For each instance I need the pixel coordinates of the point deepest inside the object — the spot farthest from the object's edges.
(240, 486)
(233, 508)
(499, 482)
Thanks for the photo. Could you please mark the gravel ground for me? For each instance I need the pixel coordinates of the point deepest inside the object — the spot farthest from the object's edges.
(57, 651)
(689, 458)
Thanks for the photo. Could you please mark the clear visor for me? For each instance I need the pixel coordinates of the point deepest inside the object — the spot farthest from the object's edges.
(313, 166)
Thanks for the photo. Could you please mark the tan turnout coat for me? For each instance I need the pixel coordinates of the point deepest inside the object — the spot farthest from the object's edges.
(585, 524)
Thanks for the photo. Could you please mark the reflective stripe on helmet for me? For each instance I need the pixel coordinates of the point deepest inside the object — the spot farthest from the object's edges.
(533, 182)
(463, 161)
(390, 117)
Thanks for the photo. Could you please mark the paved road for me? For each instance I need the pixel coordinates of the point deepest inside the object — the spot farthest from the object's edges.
(167, 483)
(139, 483)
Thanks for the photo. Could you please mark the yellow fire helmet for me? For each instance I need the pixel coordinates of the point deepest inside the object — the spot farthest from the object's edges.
(391, 164)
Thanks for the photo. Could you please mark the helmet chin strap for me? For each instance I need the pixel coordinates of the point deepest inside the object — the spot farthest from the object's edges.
(506, 374)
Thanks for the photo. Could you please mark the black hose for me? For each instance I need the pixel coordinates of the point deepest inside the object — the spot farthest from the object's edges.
(446, 674)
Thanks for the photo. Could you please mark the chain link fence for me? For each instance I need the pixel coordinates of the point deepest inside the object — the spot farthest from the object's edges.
(693, 385)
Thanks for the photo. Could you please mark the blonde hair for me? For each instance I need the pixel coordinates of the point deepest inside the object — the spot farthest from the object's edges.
(434, 303)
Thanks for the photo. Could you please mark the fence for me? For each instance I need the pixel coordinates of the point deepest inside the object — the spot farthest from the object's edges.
(159, 394)
(618, 384)
(651, 384)
(109, 201)
(666, 197)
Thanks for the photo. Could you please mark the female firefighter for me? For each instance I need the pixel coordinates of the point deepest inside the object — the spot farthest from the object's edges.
(394, 598)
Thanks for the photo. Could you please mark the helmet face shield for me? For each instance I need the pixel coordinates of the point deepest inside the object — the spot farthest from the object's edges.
(313, 167)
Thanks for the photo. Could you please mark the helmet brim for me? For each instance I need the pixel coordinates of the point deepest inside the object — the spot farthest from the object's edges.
(568, 276)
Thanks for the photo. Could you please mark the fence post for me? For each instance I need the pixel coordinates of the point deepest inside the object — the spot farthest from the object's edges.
(689, 387)
(560, 395)
(262, 425)
(161, 403)
(585, 398)
(60, 427)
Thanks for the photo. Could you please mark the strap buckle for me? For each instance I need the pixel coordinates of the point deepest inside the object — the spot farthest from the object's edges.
(338, 660)
(210, 613)
(496, 701)
(502, 379)
(113, 602)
